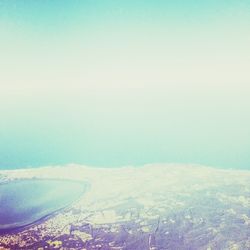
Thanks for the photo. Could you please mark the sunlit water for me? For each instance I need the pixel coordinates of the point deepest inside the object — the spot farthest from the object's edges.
(24, 202)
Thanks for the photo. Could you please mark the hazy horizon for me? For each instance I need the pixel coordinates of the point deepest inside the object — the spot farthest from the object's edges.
(113, 83)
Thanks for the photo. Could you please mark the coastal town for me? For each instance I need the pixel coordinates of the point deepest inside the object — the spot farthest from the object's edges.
(150, 207)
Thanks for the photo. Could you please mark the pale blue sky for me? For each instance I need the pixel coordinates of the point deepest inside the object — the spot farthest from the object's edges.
(113, 83)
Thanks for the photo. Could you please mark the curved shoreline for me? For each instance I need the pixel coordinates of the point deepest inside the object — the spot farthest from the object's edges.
(13, 230)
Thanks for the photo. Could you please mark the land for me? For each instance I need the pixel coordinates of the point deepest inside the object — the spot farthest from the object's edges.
(158, 206)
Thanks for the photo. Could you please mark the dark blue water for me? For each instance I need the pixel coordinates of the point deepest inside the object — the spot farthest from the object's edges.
(24, 202)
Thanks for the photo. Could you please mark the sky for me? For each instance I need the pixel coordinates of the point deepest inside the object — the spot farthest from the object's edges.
(112, 83)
